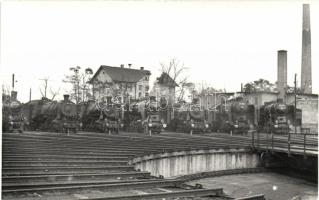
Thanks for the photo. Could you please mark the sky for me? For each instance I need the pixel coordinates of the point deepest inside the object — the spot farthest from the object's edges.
(222, 43)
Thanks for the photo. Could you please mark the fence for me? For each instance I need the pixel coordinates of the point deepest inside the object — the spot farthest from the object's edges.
(302, 143)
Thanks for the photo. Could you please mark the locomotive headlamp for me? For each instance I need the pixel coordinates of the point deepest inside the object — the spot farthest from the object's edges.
(193, 125)
(11, 123)
(122, 125)
(206, 125)
(107, 124)
(164, 125)
(150, 125)
(236, 126)
(276, 126)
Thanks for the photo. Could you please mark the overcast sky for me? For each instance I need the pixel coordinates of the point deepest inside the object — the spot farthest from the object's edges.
(222, 43)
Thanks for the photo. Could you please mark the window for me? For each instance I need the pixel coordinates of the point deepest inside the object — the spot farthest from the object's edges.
(147, 88)
(140, 94)
(146, 78)
(140, 87)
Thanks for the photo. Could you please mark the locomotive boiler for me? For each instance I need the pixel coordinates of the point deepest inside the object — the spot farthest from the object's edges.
(12, 116)
(48, 115)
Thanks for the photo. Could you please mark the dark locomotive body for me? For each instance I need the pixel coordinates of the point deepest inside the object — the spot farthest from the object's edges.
(144, 116)
(100, 118)
(242, 116)
(236, 116)
(12, 116)
(133, 119)
(192, 120)
(48, 115)
(278, 117)
(153, 122)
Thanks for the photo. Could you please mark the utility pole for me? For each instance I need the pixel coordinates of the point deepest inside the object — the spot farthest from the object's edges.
(12, 82)
(30, 94)
(295, 110)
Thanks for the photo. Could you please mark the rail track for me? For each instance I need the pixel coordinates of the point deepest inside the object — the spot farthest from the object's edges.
(50, 164)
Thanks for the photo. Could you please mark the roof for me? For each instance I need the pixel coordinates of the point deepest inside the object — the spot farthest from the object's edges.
(121, 74)
(165, 79)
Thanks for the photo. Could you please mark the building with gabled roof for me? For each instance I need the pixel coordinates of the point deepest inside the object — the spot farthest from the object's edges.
(164, 86)
(121, 82)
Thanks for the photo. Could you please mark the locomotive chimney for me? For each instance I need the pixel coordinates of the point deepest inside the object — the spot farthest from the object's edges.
(129, 65)
(142, 68)
(122, 65)
(66, 97)
(14, 95)
(282, 74)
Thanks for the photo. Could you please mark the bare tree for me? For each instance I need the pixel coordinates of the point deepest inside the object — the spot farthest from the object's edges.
(5, 93)
(54, 93)
(6, 90)
(176, 70)
(43, 90)
(47, 91)
(79, 81)
(205, 88)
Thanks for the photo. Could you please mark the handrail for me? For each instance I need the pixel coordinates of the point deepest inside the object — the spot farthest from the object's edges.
(302, 144)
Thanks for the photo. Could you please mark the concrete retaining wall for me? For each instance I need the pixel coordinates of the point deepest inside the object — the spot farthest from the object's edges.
(189, 162)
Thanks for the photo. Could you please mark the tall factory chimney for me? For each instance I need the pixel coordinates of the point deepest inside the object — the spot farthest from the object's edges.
(282, 74)
(306, 80)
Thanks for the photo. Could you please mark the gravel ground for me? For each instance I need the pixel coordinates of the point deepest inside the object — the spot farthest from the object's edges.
(273, 186)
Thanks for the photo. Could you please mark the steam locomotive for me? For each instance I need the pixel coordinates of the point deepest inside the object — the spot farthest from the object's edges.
(133, 117)
(144, 116)
(191, 119)
(48, 115)
(154, 122)
(277, 117)
(100, 118)
(12, 117)
(236, 117)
